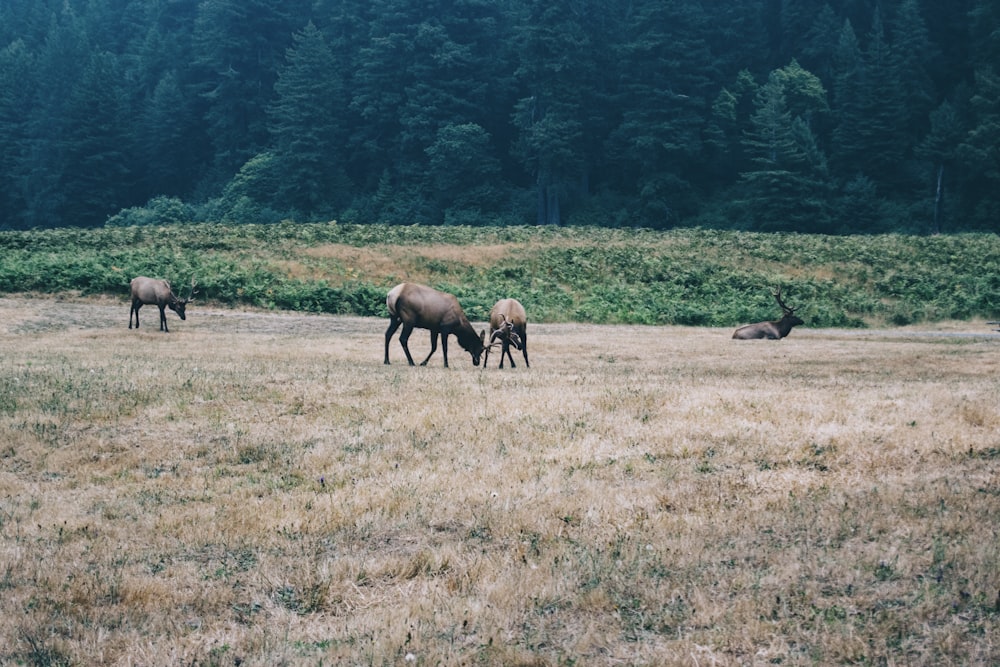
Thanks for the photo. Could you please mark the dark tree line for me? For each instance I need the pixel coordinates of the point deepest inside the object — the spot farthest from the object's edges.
(834, 116)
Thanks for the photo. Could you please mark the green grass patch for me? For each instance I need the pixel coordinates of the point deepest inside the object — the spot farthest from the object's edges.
(597, 275)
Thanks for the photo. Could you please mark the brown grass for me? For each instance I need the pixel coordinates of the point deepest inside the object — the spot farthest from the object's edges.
(383, 264)
(258, 489)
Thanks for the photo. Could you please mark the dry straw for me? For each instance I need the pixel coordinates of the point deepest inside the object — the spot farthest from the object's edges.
(259, 489)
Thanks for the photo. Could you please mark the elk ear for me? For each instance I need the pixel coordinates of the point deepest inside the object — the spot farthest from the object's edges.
(482, 336)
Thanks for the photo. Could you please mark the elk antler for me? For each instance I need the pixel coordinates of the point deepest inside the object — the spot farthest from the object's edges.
(506, 330)
(190, 297)
(784, 307)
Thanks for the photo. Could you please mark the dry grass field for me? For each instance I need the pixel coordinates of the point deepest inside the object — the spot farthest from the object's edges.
(257, 488)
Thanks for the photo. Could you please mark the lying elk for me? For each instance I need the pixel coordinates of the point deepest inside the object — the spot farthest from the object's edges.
(508, 326)
(774, 330)
(153, 291)
(422, 307)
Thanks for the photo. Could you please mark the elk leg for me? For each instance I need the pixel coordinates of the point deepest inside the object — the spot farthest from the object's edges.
(506, 348)
(403, 338)
(136, 305)
(524, 350)
(393, 325)
(434, 347)
(163, 318)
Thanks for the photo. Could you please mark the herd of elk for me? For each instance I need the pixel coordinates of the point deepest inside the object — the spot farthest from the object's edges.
(508, 326)
(773, 330)
(421, 307)
(415, 306)
(153, 291)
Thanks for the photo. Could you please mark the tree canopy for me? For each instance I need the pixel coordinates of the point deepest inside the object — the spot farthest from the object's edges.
(803, 115)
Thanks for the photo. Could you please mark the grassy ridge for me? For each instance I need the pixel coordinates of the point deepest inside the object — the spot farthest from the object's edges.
(597, 275)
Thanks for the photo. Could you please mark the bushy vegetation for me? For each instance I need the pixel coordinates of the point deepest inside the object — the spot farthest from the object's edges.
(598, 275)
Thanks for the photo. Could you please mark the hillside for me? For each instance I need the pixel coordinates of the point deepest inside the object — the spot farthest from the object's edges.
(562, 274)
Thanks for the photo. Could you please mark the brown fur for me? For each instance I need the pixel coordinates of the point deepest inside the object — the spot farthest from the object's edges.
(772, 330)
(422, 307)
(153, 291)
(509, 324)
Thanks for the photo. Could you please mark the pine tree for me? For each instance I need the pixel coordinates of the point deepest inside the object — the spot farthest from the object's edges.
(980, 152)
(239, 46)
(306, 121)
(665, 88)
(848, 147)
(555, 61)
(97, 180)
(58, 69)
(940, 147)
(16, 95)
(421, 67)
(912, 53)
(786, 188)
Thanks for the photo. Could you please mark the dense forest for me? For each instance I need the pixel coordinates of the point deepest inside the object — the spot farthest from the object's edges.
(837, 116)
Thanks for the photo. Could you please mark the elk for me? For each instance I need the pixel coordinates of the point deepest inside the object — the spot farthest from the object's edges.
(774, 330)
(153, 291)
(508, 326)
(423, 307)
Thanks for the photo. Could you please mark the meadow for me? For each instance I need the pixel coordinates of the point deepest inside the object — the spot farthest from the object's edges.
(257, 488)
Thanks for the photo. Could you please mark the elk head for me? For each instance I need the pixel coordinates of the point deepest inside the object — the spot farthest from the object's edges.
(178, 305)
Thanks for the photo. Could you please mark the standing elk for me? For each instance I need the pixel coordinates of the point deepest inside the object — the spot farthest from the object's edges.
(774, 330)
(422, 307)
(508, 326)
(152, 291)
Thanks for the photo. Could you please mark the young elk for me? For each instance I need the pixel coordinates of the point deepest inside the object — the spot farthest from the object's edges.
(508, 326)
(153, 291)
(422, 307)
(774, 330)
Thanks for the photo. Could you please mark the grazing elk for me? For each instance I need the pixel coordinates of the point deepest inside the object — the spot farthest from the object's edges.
(508, 326)
(422, 307)
(153, 291)
(774, 330)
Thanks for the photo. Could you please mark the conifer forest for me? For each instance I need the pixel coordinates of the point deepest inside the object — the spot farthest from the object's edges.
(814, 116)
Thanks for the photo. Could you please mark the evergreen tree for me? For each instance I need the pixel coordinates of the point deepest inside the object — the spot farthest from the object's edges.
(58, 69)
(980, 153)
(820, 43)
(848, 147)
(306, 118)
(171, 145)
(239, 46)
(96, 181)
(424, 66)
(465, 172)
(912, 53)
(730, 121)
(983, 19)
(940, 147)
(16, 95)
(786, 188)
(884, 111)
(666, 74)
(555, 61)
